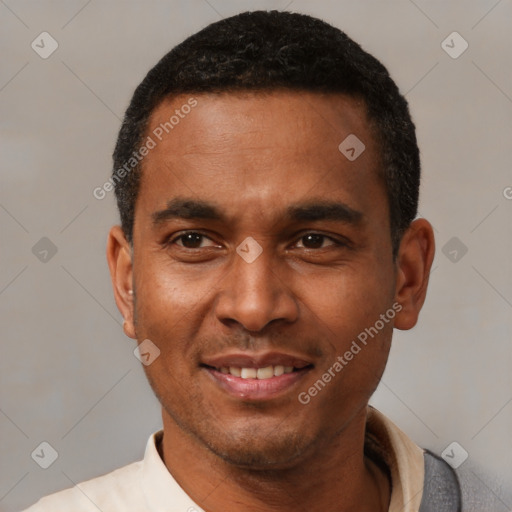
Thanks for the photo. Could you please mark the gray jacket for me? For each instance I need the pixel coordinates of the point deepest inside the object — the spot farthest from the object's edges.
(442, 490)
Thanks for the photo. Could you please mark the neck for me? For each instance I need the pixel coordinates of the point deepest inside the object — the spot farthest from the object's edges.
(336, 476)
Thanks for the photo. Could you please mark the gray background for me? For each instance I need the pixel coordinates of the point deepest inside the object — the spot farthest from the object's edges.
(68, 373)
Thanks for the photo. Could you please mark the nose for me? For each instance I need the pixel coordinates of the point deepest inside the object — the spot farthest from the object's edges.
(253, 293)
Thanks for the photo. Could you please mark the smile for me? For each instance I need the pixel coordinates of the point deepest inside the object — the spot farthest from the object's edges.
(256, 373)
(250, 381)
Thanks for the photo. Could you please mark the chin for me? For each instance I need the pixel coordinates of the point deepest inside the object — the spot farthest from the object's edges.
(258, 443)
(253, 448)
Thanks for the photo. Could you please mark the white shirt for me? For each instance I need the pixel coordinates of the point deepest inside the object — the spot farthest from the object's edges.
(147, 485)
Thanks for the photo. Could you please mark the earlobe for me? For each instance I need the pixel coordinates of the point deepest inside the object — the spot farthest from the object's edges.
(414, 262)
(119, 257)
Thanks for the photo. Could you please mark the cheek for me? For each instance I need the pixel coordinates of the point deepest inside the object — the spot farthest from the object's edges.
(356, 336)
(357, 325)
(349, 300)
(168, 310)
(166, 291)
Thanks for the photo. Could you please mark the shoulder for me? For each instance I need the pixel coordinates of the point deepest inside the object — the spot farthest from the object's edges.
(118, 490)
(441, 491)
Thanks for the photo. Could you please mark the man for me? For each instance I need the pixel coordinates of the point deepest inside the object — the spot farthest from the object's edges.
(267, 177)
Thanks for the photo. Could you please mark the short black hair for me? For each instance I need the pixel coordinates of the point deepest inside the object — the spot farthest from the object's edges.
(275, 50)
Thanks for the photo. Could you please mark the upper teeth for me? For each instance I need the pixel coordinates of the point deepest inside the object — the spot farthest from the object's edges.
(257, 373)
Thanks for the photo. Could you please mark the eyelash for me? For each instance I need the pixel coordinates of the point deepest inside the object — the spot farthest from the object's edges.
(336, 243)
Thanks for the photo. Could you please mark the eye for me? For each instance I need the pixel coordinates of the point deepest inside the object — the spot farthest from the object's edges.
(315, 241)
(194, 240)
(189, 240)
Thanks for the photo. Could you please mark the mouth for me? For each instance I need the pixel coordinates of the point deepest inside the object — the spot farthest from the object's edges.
(257, 377)
(261, 373)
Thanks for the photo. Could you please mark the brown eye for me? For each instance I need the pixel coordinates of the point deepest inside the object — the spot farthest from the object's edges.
(189, 240)
(315, 241)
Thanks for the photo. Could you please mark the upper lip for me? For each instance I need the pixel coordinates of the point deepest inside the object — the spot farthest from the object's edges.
(256, 360)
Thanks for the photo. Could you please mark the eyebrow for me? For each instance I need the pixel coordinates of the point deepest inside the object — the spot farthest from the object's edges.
(312, 210)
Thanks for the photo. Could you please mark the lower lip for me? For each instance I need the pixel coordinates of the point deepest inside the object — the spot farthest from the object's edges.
(257, 389)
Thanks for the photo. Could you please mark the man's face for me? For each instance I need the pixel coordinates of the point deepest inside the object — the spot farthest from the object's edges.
(324, 275)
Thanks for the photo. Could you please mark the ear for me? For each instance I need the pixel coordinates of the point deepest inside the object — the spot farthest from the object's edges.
(119, 257)
(414, 261)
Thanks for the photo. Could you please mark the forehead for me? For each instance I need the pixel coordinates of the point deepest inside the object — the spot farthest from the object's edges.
(284, 118)
(260, 149)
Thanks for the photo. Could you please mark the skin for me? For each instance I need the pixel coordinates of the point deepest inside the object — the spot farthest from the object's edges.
(253, 155)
